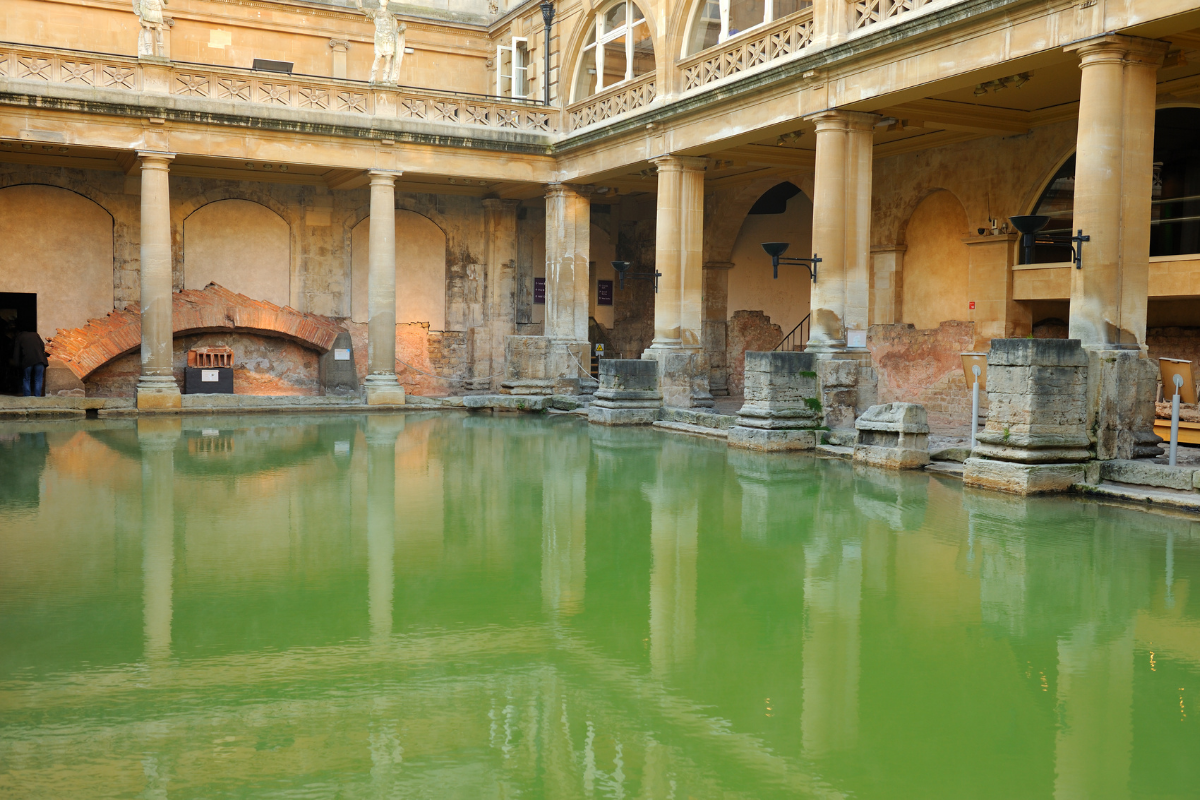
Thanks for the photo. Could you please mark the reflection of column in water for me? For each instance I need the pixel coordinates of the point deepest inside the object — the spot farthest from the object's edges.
(673, 530)
(1170, 599)
(996, 545)
(564, 530)
(381, 436)
(157, 438)
(1093, 744)
(832, 601)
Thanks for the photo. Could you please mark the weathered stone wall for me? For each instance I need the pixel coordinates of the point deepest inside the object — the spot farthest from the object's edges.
(747, 330)
(633, 306)
(262, 365)
(925, 367)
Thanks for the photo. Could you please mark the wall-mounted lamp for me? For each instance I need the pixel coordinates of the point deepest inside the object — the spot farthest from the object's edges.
(622, 268)
(776, 250)
(1030, 224)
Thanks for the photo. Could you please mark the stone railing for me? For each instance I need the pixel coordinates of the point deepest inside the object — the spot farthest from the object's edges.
(254, 88)
(872, 12)
(780, 39)
(611, 102)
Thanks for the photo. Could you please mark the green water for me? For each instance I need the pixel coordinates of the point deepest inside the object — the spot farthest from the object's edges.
(431, 606)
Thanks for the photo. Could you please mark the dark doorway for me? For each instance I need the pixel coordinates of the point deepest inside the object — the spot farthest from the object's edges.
(18, 312)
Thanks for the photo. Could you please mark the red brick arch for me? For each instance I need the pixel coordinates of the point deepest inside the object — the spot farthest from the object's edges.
(213, 308)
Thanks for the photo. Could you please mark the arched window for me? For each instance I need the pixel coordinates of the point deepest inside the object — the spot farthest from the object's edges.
(1174, 199)
(714, 21)
(618, 49)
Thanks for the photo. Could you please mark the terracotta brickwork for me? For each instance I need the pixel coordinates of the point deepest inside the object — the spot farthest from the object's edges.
(747, 330)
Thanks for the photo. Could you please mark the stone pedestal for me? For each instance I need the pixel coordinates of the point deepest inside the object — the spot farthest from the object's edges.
(1036, 436)
(338, 376)
(683, 378)
(628, 393)
(781, 411)
(1121, 389)
(527, 366)
(846, 381)
(893, 436)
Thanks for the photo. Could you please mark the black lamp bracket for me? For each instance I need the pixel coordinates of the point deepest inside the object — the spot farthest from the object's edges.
(810, 263)
(1076, 243)
(622, 269)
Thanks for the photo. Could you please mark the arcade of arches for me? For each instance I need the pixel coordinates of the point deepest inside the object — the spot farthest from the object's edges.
(511, 228)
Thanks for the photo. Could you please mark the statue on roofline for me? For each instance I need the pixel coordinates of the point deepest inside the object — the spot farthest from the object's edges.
(389, 43)
(150, 37)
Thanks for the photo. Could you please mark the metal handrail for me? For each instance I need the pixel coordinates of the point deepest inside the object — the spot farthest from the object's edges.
(789, 340)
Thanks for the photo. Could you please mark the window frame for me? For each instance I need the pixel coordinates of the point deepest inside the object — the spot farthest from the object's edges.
(598, 37)
(513, 49)
(725, 10)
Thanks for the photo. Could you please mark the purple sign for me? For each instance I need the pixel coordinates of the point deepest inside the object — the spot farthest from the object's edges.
(539, 291)
(604, 293)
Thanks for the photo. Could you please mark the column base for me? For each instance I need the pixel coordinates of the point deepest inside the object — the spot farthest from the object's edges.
(772, 439)
(158, 393)
(1005, 476)
(683, 377)
(382, 389)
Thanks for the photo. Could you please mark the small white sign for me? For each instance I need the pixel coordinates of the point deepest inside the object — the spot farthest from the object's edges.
(856, 338)
(209, 432)
(341, 355)
(341, 448)
(210, 375)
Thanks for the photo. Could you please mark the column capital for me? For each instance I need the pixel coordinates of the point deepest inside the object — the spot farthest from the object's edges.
(151, 159)
(383, 177)
(341, 45)
(670, 163)
(562, 189)
(1117, 49)
(836, 119)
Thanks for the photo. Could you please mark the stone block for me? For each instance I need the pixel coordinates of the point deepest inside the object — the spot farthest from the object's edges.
(599, 414)
(159, 400)
(507, 402)
(1037, 402)
(772, 440)
(1017, 478)
(384, 395)
(683, 379)
(629, 374)
(527, 366)
(628, 393)
(1146, 473)
(1121, 392)
(837, 372)
(338, 376)
(893, 436)
(958, 454)
(564, 402)
(60, 381)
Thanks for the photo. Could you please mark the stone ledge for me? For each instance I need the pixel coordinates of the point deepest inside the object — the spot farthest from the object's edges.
(1023, 479)
(703, 419)
(693, 430)
(1147, 473)
(1141, 495)
(507, 402)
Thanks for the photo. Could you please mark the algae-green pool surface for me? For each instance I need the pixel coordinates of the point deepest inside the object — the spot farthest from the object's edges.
(473, 606)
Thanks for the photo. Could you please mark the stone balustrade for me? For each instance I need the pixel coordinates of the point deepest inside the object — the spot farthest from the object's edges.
(755, 48)
(612, 102)
(873, 12)
(257, 88)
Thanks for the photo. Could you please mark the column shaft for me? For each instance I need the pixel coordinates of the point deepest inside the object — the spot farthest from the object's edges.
(841, 227)
(382, 388)
(500, 228)
(156, 383)
(678, 246)
(1113, 183)
(568, 276)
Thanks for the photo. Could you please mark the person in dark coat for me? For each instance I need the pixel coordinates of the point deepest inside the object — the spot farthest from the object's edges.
(29, 356)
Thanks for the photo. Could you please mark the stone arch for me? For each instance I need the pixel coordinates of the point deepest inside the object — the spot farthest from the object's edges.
(214, 308)
(70, 267)
(934, 284)
(189, 206)
(239, 243)
(664, 63)
(422, 247)
(723, 219)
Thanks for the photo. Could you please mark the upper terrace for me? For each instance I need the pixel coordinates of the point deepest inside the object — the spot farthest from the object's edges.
(625, 84)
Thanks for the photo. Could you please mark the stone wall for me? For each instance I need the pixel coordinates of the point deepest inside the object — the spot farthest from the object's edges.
(747, 330)
(633, 306)
(925, 367)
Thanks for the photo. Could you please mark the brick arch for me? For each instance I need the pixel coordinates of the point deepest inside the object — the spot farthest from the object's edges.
(723, 221)
(213, 308)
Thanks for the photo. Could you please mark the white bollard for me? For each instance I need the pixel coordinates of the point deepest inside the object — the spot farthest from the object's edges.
(975, 406)
(1178, 381)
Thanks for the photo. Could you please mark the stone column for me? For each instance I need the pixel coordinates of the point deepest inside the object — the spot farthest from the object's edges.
(679, 304)
(339, 48)
(156, 387)
(1113, 182)
(715, 325)
(568, 245)
(841, 229)
(381, 385)
(500, 229)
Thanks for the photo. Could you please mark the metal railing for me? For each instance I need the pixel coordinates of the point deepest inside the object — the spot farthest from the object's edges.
(789, 342)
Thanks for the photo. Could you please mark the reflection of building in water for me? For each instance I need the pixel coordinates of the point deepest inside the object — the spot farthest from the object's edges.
(157, 439)
(381, 435)
(777, 494)
(564, 525)
(22, 459)
(996, 550)
(1094, 743)
(674, 519)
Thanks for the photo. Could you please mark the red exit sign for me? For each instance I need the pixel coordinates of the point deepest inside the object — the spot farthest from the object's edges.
(972, 305)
